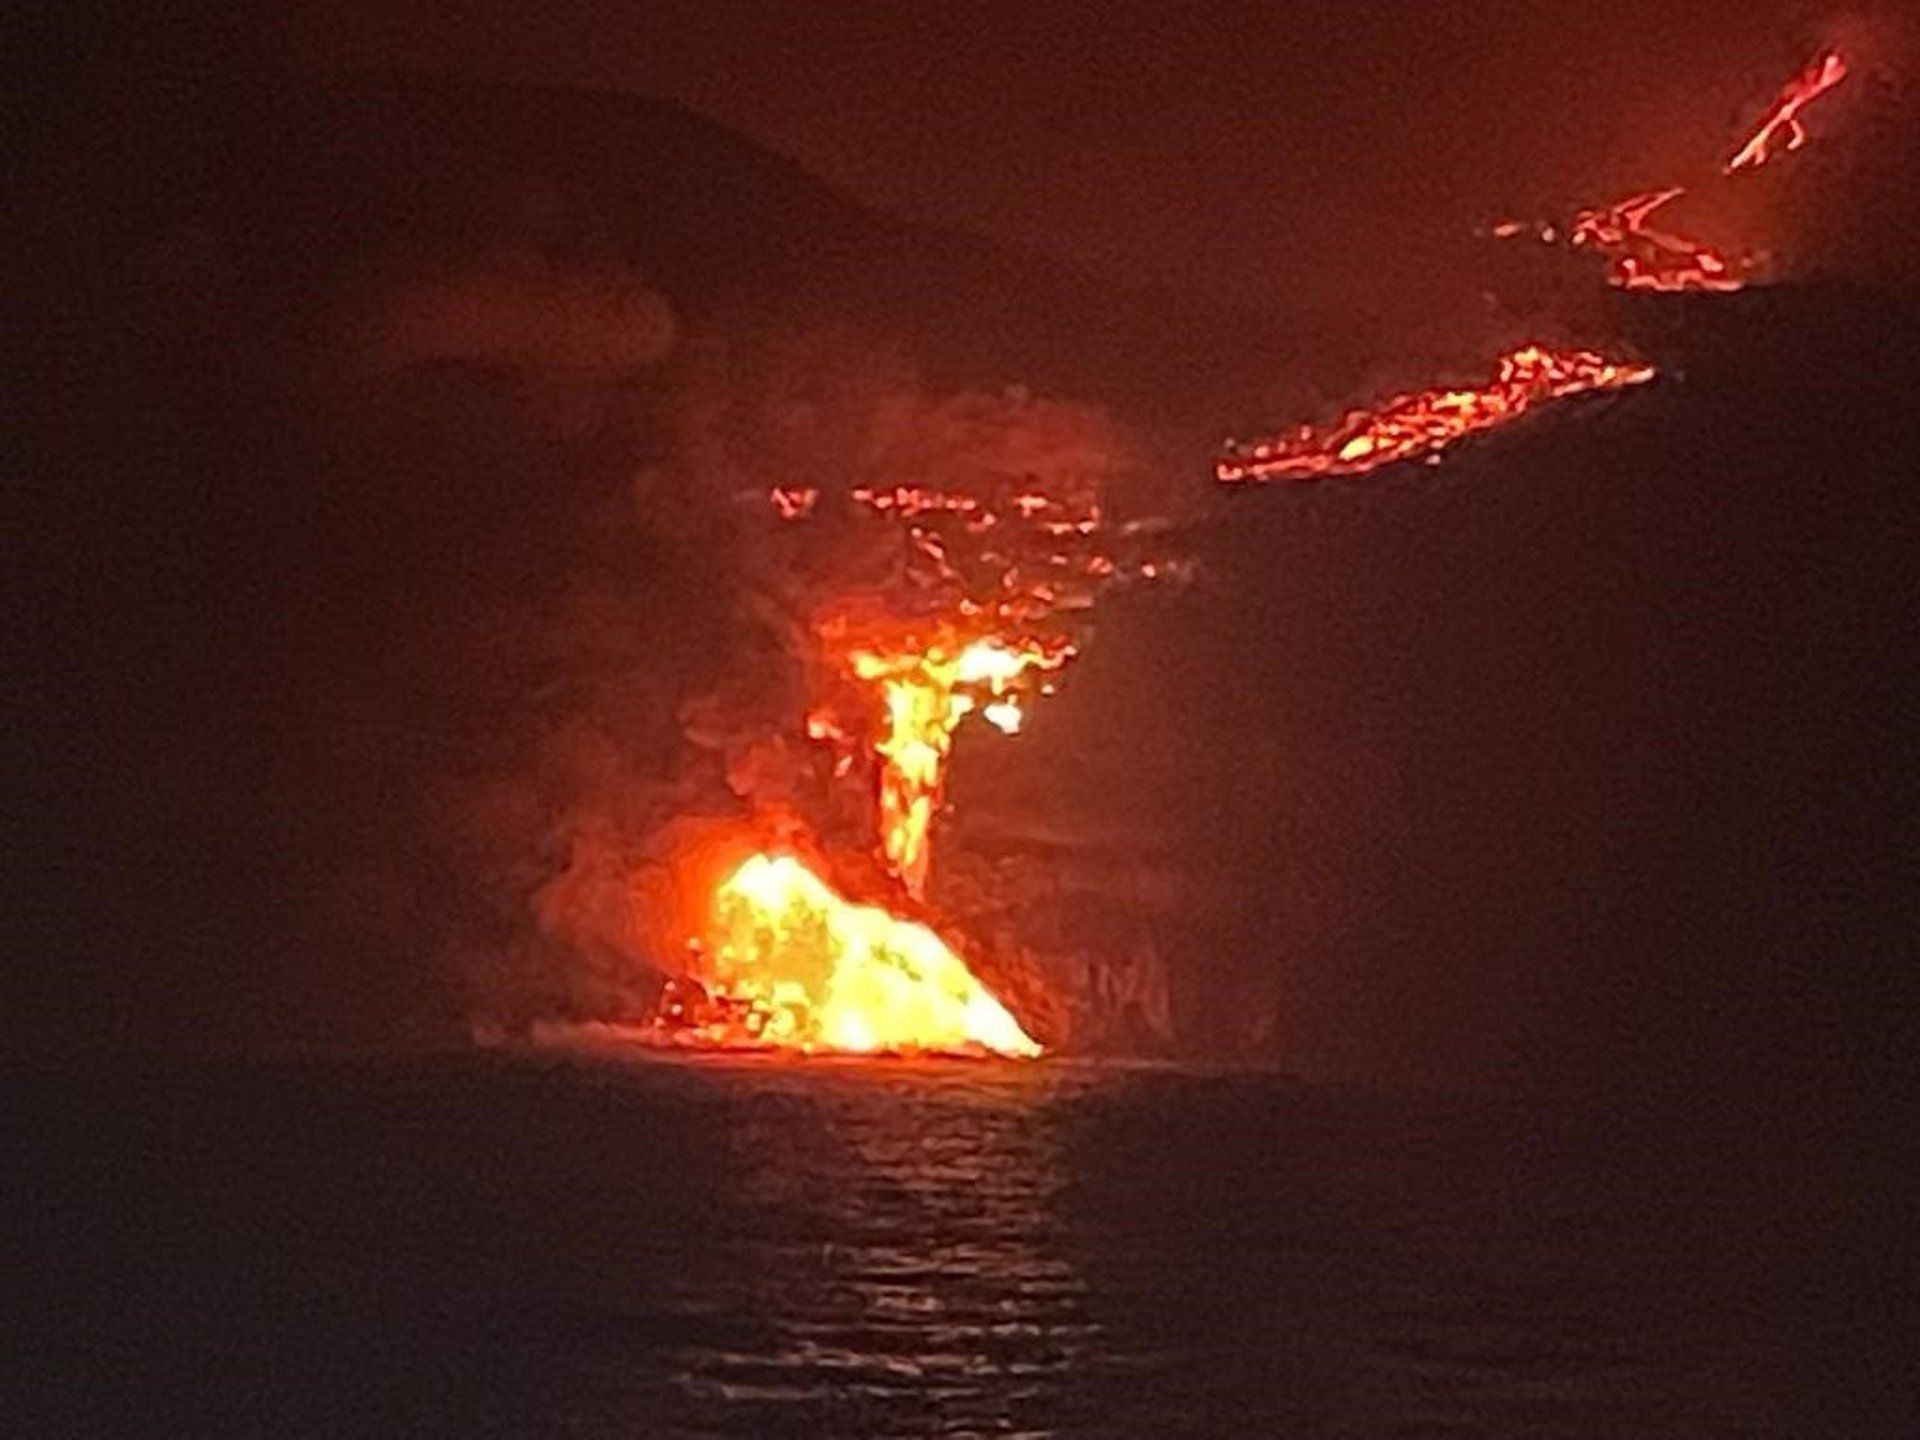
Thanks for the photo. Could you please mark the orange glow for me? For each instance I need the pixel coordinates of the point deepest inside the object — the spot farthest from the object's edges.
(791, 964)
(785, 962)
(1422, 424)
(951, 603)
(983, 611)
(1644, 258)
(1826, 70)
(793, 502)
(926, 694)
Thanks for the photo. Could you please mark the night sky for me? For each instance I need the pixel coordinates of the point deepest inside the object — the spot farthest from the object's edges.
(1268, 152)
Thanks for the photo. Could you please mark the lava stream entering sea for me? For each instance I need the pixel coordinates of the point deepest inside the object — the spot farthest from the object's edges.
(984, 610)
(980, 607)
(792, 964)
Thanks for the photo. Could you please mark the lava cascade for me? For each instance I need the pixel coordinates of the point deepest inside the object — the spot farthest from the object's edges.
(927, 691)
(792, 964)
(991, 606)
(983, 607)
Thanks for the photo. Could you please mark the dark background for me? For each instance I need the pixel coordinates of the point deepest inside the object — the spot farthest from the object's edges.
(1585, 759)
(1255, 152)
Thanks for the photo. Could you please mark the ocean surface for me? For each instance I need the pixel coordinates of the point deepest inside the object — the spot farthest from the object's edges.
(581, 1242)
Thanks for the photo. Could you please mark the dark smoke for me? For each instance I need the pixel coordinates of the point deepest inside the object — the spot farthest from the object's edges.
(627, 800)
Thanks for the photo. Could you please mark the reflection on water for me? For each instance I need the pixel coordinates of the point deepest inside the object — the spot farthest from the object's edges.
(588, 1244)
(897, 1264)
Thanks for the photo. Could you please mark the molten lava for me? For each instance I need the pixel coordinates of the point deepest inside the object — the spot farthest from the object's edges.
(1825, 71)
(1422, 424)
(947, 603)
(954, 600)
(1644, 258)
(984, 608)
(1639, 255)
(785, 961)
(927, 693)
(791, 964)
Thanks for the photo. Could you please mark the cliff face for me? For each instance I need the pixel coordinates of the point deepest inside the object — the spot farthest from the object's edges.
(1585, 754)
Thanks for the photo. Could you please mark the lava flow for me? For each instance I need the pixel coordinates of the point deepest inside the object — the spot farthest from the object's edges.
(983, 615)
(1825, 71)
(1639, 255)
(954, 602)
(1425, 422)
(1642, 257)
(791, 964)
(927, 692)
(976, 611)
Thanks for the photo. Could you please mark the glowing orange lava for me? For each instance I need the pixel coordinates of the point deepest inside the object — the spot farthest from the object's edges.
(791, 964)
(974, 601)
(1645, 258)
(968, 601)
(926, 694)
(1825, 71)
(784, 960)
(993, 588)
(1421, 424)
